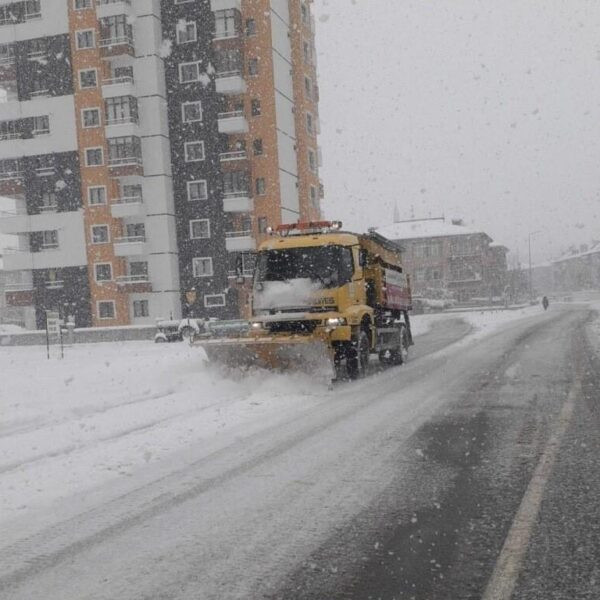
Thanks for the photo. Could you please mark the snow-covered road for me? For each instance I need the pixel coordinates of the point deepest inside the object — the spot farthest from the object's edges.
(135, 471)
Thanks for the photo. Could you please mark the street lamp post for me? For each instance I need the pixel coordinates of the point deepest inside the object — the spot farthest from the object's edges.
(531, 234)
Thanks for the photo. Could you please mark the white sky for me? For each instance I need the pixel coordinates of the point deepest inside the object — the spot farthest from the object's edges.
(484, 110)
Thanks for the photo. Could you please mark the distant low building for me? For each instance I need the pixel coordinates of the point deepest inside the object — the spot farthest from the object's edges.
(448, 259)
(578, 270)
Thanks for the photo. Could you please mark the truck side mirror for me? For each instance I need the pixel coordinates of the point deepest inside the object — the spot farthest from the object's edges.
(362, 258)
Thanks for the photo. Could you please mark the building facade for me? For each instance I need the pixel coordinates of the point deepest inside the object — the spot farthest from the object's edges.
(449, 260)
(147, 145)
(578, 270)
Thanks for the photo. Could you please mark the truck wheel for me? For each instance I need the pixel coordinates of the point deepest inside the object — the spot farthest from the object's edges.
(400, 355)
(357, 358)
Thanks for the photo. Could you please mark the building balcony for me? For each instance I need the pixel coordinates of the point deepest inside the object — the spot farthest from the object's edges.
(125, 165)
(238, 202)
(11, 175)
(112, 8)
(116, 46)
(118, 86)
(13, 224)
(134, 283)
(216, 5)
(232, 123)
(239, 241)
(230, 83)
(233, 156)
(130, 246)
(127, 207)
(127, 126)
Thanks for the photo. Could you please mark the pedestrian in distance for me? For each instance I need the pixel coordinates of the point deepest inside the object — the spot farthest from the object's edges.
(545, 302)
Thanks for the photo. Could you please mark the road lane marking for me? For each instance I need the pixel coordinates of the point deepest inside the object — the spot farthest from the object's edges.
(506, 572)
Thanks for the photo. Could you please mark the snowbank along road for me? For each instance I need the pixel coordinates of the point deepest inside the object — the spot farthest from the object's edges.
(132, 471)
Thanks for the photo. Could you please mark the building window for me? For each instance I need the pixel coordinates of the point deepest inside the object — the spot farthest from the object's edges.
(189, 72)
(94, 157)
(121, 109)
(309, 124)
(96, 195)
(135, 232)
(197, 190)
(41, 125)
(103, 271)
(194, 151)
(211, 300)
(141, 308)
(85, 39)
(255, 108)
(49, 239)
(203, 266)
(186, 32)
(100, 234)
(117, 29)
(312, 161)
(88, 78)
(191, 111)
(49, 202)
(304, 13)
(90, 117)
(81, 4)
(124, 150)
(32, 8)
(225, 24)
(199, 229)
(235, 183)
(258, 147)
(261, 186)
(106, 309)
(253, 67)
(308, 87)
(262, 224)
(306, 52)
(250, 27)
(314, 199)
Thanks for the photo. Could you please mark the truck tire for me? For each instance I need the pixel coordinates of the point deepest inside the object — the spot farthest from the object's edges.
(400, 355)
(357, 358)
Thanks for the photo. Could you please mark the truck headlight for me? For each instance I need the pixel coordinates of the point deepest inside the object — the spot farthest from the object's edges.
(336, 321)
(256, 326)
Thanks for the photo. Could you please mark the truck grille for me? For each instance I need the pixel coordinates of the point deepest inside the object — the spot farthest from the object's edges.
(298, 327)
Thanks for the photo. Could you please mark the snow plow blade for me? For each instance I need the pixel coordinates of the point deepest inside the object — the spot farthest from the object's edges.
(310, 356)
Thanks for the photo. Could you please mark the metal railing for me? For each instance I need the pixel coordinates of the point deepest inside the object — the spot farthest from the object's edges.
(11, 175)
(128, 200)
(124, 279)
(49, 208)
(51, 246)
(118, 80)
(225, 74)
(7, 60)
(231, 115)
(19, 287)
(10, 136)
(41, 131)
(100, 2)
(135, 239)
(238, 155)
(225, 35)
(39, 93)
(237, 194)
(54, 285)
(238, 234)
(116, 41)
(126, 160)
(122, 121)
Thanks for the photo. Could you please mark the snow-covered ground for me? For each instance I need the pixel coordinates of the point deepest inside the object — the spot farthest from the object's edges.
(110, 413)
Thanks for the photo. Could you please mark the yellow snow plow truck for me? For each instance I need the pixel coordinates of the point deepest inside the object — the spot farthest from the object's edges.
(322, 298)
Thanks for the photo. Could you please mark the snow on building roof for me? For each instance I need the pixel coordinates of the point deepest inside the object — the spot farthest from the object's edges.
(594, 249)
(410, 230)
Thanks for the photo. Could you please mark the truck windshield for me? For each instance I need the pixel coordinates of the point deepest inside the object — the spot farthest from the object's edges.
(329, 266)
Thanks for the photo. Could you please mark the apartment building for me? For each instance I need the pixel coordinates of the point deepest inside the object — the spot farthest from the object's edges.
(146, 146)
(446, 259)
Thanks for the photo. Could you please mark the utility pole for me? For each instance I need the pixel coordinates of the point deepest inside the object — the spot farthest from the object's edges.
(531, 234)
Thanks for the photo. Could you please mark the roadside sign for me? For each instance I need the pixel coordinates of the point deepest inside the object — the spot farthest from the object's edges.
(54, 332)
